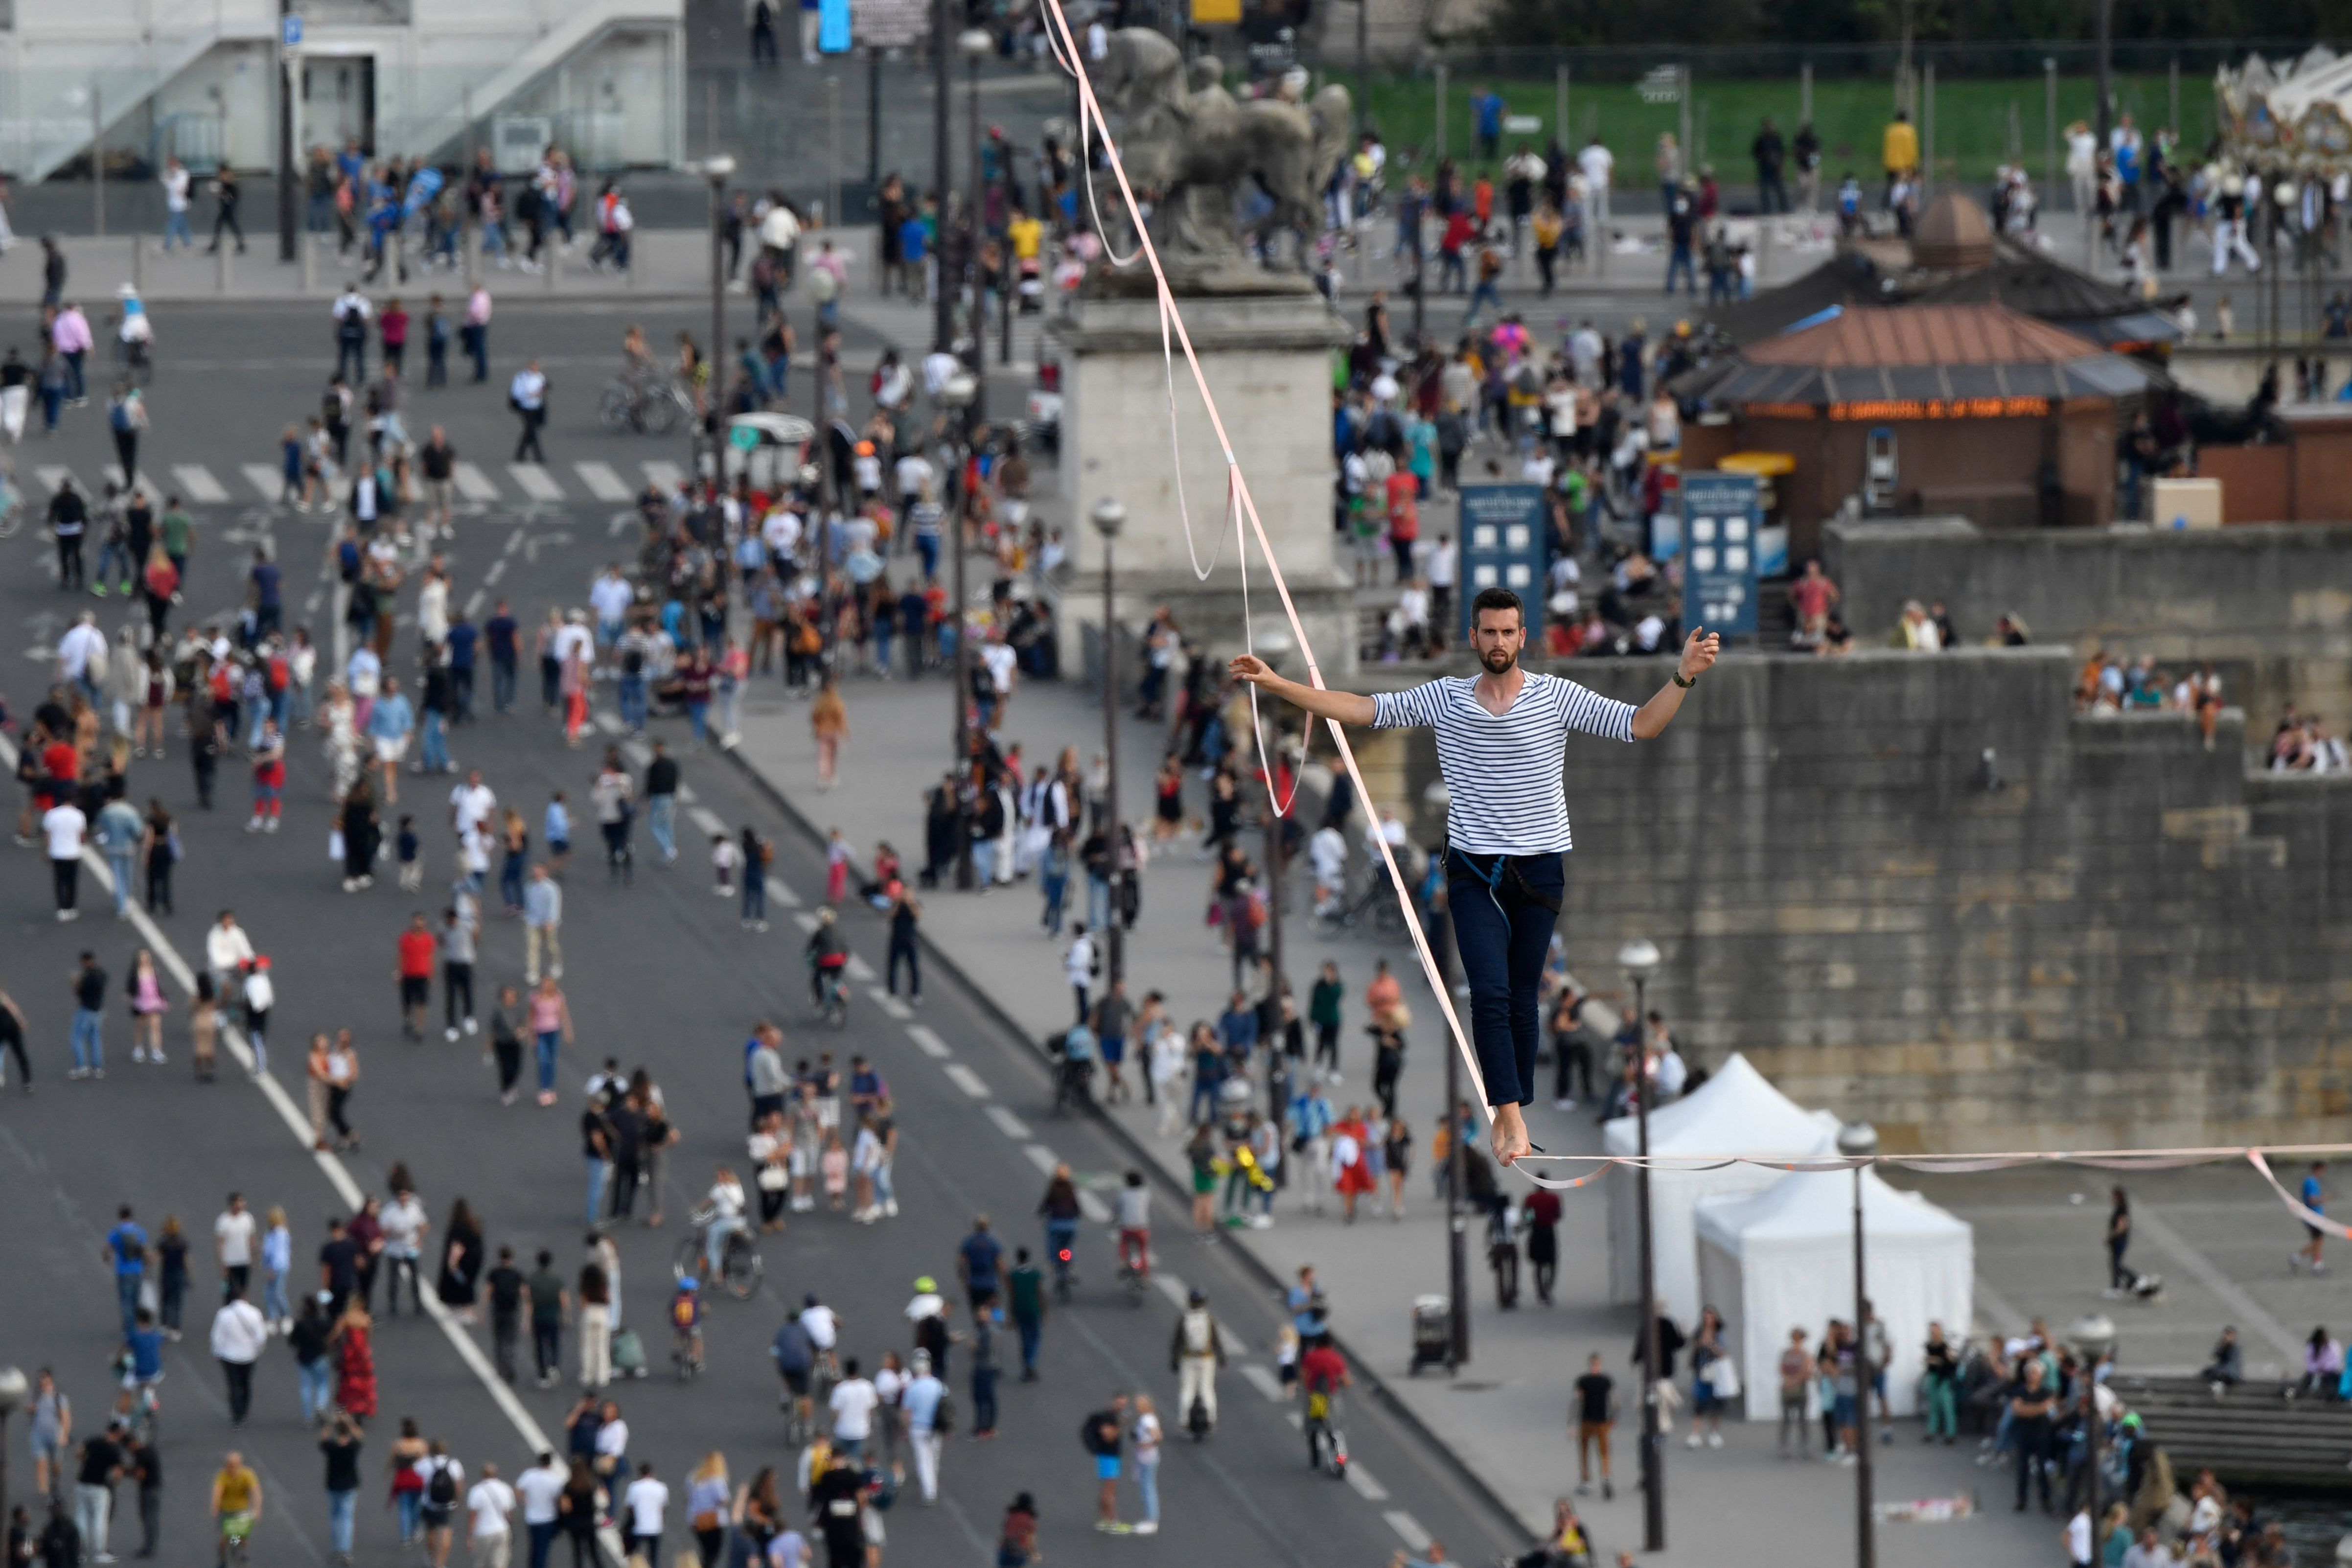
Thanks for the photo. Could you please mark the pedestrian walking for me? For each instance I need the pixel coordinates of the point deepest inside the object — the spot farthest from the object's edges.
(551, 1305)
(340, 1444)
(1024, 1294)
(65, 826)
(88, 982)
(551, 1028)
(645, 1503)
(527, 395)
(460, 926)
(542, 921)
(144, 1465)
(93, 1497)
(755, 855)
(145, 988)
(507, 1019)
(354, 1342)
(239, 1335)
(595, 1326)
(1104, 1436)
(117, 834)
(661, 801)
(829, 724)
(413, 971)
(491, 1508)
(314, 1369)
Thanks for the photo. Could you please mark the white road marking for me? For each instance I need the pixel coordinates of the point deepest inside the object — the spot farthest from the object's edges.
(1297, 1422)
(1365, 1486)
(196, 482)
(620, 524)
(310, 604)
(927, 1039)
(514, 541)
(964, 1078)
(474, 601)
(472, 483)
(55, 475)
(780, 893)
(1408, 1528)
(146, 487)
(498, 569)
(1172, 1288)
(806, 922)
(602, 481)
(268, 483)
(1044, 1158)
(609, 722)
(298, 1122)
(1262, 1379)
(890, 1005)
(536, 482)
(1007, 1124)
(1093, 1207)
(666, 475)
(859, 970)
(705, 819)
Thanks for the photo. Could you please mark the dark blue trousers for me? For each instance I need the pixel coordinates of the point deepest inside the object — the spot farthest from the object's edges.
(1502, 934)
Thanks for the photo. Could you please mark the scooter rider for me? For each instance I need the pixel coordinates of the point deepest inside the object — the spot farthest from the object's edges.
(1194, 1354)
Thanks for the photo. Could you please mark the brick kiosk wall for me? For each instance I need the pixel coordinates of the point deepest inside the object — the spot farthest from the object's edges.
(2126, 941)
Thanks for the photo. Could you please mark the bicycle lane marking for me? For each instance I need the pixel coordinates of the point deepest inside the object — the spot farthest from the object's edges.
(338, 1174)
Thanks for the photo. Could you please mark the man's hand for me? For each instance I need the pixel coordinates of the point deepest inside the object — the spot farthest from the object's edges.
(1699, 653)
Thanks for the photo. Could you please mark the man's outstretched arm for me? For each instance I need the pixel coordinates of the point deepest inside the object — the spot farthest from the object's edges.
(1699, 657)
(1346, 707)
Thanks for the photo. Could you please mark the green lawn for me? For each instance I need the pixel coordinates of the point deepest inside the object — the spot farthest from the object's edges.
(1974, 129)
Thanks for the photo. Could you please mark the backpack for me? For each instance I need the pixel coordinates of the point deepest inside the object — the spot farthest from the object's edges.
(441, 1487)
(943, 1417)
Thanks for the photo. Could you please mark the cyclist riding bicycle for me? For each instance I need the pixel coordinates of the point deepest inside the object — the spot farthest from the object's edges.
(686, 1320)
(1134, 1208)
(826, 957)
(795, 1357)
(821, 1326)
(236, 1505)
(1060, 1208)
(1322, 1374)
(142, 1362)
(725, 1201)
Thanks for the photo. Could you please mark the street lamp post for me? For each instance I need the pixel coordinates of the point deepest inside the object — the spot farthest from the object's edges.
(1109, 517)
(956, 397)
(975, 44)
(943, 164)
(719, 168)
(1440, 800)
(1858, 1142)
(2093, 1337)
(1639, 959)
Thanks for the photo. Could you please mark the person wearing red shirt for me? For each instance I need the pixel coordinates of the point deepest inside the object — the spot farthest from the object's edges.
(1404, 522)
(1322, 1374)
(1451, 275)
(417, 950)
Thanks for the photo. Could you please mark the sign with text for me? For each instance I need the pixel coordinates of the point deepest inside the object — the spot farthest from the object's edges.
(1505, 543)
(891, 23)
(1720, 519)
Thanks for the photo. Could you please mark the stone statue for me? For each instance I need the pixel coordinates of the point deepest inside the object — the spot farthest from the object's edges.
(1194, 153)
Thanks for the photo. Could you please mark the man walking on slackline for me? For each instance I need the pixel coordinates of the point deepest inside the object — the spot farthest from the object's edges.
(1502, 744)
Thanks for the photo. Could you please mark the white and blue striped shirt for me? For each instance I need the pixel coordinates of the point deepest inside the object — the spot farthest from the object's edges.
(1507, 773)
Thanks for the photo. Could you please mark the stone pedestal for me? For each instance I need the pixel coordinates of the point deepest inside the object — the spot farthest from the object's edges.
(1268, 362)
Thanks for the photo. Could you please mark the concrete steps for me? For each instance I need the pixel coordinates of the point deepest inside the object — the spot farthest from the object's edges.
(2253, 1433)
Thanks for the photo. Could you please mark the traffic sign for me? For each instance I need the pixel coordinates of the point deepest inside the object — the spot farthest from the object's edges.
(289, 30)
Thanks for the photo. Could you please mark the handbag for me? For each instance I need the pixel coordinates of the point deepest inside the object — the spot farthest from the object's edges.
(771, 1179)
(1722, 1377)
(335, 845)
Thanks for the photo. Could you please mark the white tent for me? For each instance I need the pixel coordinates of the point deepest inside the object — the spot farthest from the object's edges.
(1783, 1259)
(1736, 1112)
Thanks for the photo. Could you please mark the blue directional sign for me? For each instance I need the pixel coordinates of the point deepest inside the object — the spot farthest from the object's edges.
(1505, 543)
(289, 30)
(1720, 517)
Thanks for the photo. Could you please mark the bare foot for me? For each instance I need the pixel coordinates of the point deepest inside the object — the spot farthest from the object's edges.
(1509, 1134)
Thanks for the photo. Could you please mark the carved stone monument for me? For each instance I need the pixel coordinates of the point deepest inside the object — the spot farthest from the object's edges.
(1226, 180)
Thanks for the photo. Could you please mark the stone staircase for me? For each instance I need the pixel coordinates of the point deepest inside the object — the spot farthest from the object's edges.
(2254, 1433)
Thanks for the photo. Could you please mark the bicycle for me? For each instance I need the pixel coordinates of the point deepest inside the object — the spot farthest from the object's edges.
(1134, 1266)
(12, 502)
(833, 998)
(235, 1538)
(1327, 1446)
(642, 403)
(684, 1354)
(1375, 905)
(739, 1256)
(1062, 1244)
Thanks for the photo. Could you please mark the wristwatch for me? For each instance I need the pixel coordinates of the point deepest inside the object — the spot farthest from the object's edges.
(1685, 684)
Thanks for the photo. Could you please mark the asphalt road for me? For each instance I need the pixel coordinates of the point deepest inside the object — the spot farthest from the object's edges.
(659, 973)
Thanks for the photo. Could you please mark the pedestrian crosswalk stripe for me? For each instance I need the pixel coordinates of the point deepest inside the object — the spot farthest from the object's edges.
(602, 481)
(146, 487)
(666, 475)
(54, 475)
(196, 482)
(268, 483)
(472, 483)
(535, 482)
